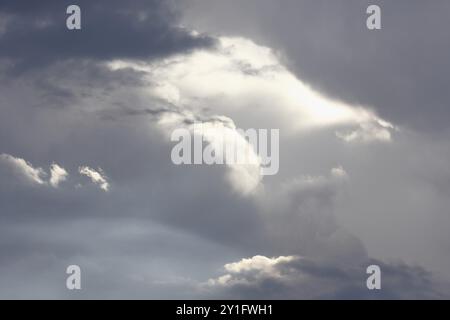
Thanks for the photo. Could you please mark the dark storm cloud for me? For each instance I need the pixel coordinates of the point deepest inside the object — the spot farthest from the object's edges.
(401, 70)
(35, 32)
(304, 278)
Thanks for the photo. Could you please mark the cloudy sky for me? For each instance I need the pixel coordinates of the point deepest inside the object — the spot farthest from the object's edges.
(86, 176)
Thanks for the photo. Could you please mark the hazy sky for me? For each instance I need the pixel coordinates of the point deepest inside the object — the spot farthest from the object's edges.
(86, 176)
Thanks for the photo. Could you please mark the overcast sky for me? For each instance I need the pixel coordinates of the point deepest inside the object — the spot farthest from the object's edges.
(86, 176)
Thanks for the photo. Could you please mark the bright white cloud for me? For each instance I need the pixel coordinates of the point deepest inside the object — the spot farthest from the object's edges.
(97, 177)
(244, 177)
(257, 263)
(220, 133)
(24, 169)
(35, 175)
(242, 82)
(254, 268)
(241, 75)
(57, 175)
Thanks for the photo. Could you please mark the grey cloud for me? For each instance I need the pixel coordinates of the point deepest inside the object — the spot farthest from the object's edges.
(163, 229)
(297, 219)
(400, 70)
(119, 258)
(35, 34)
(145, 189)
(305, 278)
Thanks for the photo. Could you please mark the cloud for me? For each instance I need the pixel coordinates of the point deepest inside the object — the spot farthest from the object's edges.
(218, 85)
(294, 277)
(257, 266)
(367, 132)
(225, 142)
(339, 172)
(37, 35)
(97, 177)
(170, 227)
(23, 169)
(246, 177)
(57, 175)
(239, 74)
(337, 54)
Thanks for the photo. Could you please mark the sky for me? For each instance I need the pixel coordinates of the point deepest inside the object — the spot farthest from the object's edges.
(87, 179)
